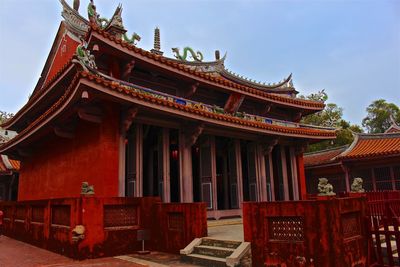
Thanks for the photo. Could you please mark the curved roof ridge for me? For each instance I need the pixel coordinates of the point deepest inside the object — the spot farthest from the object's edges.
(326, 150)
(377, 135)
(284, 83)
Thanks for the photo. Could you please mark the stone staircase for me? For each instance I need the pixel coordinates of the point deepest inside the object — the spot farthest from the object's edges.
(214, 252)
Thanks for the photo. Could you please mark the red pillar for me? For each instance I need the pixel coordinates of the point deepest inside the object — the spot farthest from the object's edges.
(301, 176)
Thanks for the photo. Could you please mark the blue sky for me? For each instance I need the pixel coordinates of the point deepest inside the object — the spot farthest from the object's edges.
(349, 48)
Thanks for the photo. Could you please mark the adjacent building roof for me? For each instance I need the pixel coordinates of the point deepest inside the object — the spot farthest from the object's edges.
(323, 157)
(367, 146)
(8, 165)
(364, 147)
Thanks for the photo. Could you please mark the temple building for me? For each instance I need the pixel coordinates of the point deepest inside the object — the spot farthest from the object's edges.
(134, 122)
(373, 157)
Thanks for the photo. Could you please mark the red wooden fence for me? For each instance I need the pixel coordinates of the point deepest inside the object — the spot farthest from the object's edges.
(383, 221)
(111, 224)
(306, 233)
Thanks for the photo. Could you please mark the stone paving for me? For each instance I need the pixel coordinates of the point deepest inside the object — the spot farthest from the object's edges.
(14, 253)
(228, 229)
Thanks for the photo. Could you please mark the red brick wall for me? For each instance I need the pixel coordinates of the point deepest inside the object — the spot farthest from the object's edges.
(59, 166)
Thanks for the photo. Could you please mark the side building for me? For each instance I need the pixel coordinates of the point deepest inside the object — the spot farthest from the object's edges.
(133, 122)
(373, 157)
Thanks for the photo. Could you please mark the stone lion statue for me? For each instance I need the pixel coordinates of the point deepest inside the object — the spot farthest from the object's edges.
(325, 188)
(87, 189)
(357, 185)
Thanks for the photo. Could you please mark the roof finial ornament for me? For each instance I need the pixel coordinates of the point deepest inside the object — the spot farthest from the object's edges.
(198, 56)
(217, 55)
(157, 43)
(76, 5)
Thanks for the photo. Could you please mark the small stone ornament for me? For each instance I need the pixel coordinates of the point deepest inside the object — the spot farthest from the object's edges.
(325, 188)
(87, 189)
(357, 185)
(78, 233)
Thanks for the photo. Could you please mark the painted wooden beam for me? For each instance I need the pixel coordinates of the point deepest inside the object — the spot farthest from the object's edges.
(192, 90)
(64, 132)
(127, 69)
(268, 146)
(233, 103)
(267, 108)
(192, 133)
(128, 117)
(91, 114)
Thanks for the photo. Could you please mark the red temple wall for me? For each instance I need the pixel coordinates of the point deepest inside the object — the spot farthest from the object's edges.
(61, 165)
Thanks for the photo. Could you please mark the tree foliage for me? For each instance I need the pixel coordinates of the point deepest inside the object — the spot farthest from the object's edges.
(379, 114)
(331, 116)
(5, 116)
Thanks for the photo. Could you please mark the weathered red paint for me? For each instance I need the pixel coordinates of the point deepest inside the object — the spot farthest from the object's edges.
(179, 224)
(328, 232)
(59, 167)
(111, 224)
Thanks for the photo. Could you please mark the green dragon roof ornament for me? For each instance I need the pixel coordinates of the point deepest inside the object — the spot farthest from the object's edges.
(198, 56)
(115, 21)
(85, 59)
(95, 17)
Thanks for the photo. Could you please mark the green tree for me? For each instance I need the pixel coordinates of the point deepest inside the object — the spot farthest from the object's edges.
(331, 116)
(378, 117)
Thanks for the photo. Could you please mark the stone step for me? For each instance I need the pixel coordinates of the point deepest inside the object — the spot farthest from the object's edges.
(204, 260)
(220, 243)
(219, 252)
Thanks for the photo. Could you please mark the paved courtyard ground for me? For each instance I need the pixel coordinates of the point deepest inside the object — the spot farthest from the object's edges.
(14, 253)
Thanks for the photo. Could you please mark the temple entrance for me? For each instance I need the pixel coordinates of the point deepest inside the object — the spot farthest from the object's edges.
(152, 161)
(130, 162)
(202, 171)
(226, 173)
(278, 173)
(248, 171)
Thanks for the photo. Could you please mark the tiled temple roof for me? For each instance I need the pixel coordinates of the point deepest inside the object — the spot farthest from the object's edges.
(364, 146)
(209, 111)
(367, 146)
(323, 157)
(271, 126)
(302, 103)
(8, 165)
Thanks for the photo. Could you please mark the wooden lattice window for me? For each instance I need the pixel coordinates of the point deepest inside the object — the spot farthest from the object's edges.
(383, 179)
(120, 215)
(290, 228)
(61, 215)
